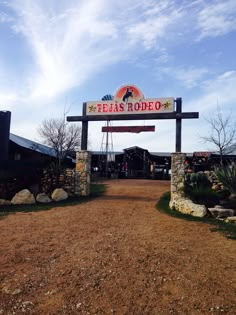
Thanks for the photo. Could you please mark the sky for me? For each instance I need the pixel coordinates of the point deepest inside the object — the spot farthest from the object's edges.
(57, 54)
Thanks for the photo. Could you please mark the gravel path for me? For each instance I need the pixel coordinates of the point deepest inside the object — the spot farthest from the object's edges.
(114, 255)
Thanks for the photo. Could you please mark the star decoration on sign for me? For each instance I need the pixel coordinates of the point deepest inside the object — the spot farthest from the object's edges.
(92, 109)
(166, 105)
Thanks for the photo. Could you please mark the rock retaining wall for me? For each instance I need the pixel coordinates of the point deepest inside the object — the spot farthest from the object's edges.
(178, 201)
(71, 182)
(66, 180)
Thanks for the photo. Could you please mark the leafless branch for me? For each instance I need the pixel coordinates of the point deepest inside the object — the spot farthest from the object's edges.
(222, 133)
(60, 135)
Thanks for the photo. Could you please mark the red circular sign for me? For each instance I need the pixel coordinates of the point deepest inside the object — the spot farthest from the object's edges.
(128, 92)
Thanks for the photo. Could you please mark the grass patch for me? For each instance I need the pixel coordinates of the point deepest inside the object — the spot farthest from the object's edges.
(96, 190)
(228, 229)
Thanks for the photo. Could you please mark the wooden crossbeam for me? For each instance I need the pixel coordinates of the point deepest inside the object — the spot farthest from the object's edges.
(172, 115)
(178, 115)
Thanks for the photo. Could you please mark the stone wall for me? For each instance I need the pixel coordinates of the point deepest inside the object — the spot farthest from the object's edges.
(178, 201)
(73, 181)
(83, 172)
(66, 180)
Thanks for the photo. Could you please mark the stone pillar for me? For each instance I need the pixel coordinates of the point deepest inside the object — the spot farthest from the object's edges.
(177, 175)
(178, 201)
(83, 167)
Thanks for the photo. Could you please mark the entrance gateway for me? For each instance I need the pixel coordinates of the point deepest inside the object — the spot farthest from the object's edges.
(129, 103)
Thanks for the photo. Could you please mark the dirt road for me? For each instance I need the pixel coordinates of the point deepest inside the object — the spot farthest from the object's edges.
(114, 255)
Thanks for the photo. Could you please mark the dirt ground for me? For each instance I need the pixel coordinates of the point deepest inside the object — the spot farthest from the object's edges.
(115, 254)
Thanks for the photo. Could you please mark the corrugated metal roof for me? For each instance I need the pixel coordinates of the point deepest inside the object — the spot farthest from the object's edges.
(104, 153)
(135, 148)
(32, 145)
(168, 154)
(160, 154)
(230, 151)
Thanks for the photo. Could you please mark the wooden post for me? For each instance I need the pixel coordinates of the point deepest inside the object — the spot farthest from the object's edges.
(84, 136)
(5, 121)
(178, 125)
(106, 148)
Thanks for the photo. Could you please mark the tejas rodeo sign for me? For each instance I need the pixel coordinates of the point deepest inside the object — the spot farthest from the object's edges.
(129, 99)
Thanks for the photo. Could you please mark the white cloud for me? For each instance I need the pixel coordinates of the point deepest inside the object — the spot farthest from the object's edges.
(217, 19)
(189, 77)
(217, 91)
(67, 47)
(154, 24)
(6, 99)
(163, 57)
(5, 18)
(8, 94)
(72, 41)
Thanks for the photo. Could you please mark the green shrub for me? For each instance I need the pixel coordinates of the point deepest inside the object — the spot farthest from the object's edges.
(223, 194)
(197, 187)
(197, 180)
(227, 176)
(202, 195)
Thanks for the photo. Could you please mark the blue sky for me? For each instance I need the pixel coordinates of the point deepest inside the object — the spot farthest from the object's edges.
(57, 54)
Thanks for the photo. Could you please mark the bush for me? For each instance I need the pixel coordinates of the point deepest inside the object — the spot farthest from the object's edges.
(227, 176)
(223, 194)
(198, 188)
(202, 195)
(197, 180)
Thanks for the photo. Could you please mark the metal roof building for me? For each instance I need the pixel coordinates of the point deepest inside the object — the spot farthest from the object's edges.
(32, 145)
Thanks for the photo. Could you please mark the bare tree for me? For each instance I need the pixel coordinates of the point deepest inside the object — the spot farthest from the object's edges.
(222, 133)
(58, 134)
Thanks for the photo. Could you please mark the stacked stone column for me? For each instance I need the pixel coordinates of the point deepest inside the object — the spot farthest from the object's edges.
(178, 200)
(83, 170)
(177, 174)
